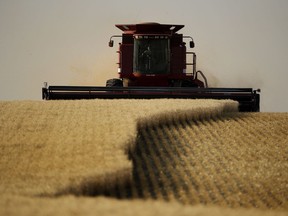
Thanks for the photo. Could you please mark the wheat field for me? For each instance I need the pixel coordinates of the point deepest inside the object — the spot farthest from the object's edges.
(148, 157)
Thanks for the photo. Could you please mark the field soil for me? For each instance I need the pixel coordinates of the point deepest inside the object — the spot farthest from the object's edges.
(144, 157)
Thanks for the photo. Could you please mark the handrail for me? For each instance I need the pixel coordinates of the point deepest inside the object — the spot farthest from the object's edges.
(203, 76)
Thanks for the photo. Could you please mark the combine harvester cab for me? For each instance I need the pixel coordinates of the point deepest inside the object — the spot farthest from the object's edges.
(154, 63)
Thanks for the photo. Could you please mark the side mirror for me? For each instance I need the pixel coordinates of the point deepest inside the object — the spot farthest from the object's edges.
(192, 45)
(111, 42)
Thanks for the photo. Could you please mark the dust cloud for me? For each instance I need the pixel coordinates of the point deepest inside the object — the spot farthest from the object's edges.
(93, 73)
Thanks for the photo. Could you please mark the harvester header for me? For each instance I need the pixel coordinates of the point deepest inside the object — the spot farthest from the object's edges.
(154, 63)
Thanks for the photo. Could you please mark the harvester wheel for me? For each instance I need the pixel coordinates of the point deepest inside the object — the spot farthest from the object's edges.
(188, 83)
(114, 83)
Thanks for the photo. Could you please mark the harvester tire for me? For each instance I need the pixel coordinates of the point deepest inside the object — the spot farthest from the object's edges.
(188, 83)
(114, 83)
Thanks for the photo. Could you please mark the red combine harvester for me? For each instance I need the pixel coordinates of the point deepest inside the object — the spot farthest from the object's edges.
(154, 63)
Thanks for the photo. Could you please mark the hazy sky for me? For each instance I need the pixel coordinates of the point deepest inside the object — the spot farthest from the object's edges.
(239, 43)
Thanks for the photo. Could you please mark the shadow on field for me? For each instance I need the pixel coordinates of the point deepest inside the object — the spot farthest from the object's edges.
(159, 170)
(116, 184)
